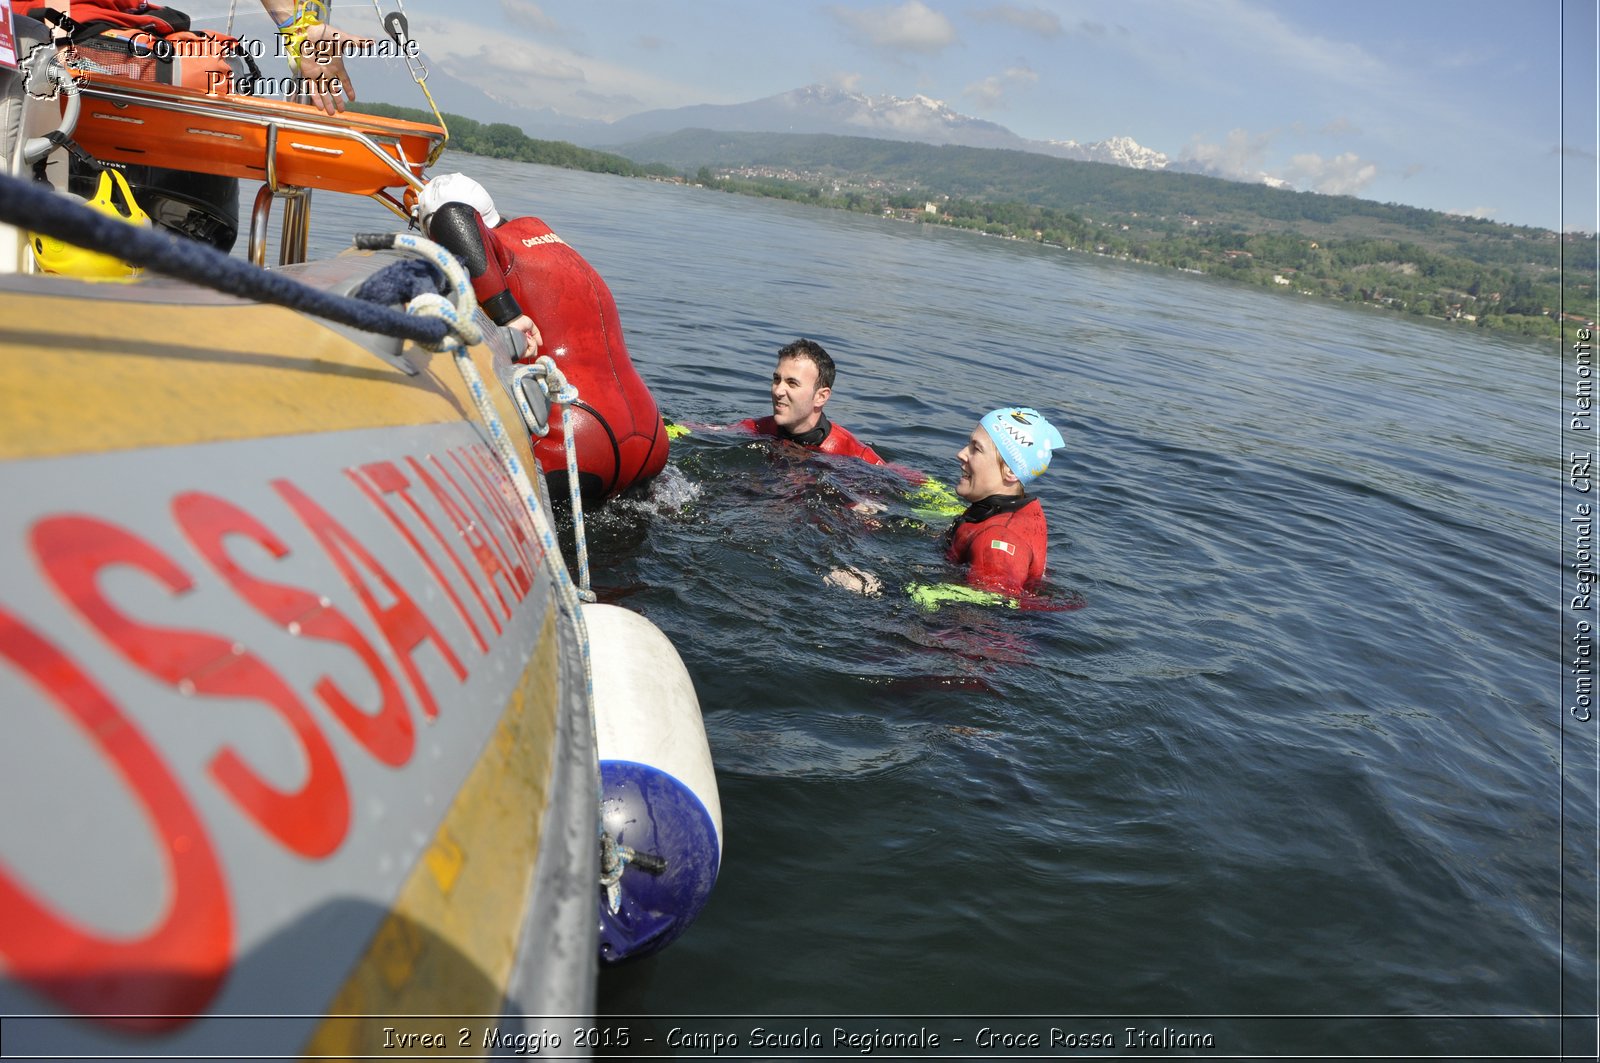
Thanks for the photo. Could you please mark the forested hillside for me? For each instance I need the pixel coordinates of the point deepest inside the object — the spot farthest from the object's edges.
(1478, 273)
(499, 140)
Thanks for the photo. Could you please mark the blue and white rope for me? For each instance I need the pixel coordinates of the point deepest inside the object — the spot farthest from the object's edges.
(564, 392)
(460, 314)
(568, 593)
(558, 389)
(464, 332)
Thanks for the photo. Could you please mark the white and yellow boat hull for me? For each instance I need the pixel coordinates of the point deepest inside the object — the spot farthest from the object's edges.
(297, 721)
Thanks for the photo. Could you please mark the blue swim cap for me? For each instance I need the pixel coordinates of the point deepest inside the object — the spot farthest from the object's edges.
(1024, 439)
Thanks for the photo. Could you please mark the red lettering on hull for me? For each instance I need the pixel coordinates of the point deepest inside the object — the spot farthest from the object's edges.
(403, 624)
(206, 520)
(386, 478)
(73, 551)
(176, 967)
(474, 530)
(514, 525)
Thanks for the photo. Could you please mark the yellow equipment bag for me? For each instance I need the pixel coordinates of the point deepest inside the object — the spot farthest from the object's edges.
(55, 256)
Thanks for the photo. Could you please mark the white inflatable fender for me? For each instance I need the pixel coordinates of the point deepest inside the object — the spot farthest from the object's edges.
(659, 789)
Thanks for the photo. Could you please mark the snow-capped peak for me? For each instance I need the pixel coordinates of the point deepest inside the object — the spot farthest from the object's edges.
(1118, 151)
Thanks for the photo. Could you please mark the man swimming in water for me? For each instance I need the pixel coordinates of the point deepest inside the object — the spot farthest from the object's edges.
(801, 386)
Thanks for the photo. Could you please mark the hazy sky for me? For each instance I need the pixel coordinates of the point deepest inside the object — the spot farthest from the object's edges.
(1469, 106)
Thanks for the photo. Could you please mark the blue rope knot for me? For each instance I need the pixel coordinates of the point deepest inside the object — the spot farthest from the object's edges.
(399, 282)
(457, 313)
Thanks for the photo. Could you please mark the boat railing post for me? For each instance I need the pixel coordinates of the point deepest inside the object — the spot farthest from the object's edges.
(260, 215)
(296, 225)
(272, 156)
(295, 240)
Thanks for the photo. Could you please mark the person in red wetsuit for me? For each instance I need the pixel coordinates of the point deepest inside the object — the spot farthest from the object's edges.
(801, 386)
(522, 272)
(1002, 535)
(457, 213)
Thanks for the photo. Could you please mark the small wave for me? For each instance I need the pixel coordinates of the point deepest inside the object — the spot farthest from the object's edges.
(668, 495)
(827, 748)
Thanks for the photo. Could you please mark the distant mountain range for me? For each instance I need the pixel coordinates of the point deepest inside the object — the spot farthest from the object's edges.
(818, 109)
(812, 109)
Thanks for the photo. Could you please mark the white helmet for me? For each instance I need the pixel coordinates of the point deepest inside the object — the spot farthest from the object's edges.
(456, 188)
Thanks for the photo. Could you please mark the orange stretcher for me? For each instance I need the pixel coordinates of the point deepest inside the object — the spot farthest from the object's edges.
(252, 138)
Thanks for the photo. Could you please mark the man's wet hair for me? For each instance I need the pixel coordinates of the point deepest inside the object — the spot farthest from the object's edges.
(811, 351)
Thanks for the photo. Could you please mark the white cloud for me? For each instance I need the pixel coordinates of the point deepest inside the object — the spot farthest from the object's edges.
(1481, 213)
(901, 121)
(990, 93)
(1033, 20)
(1343, 175)
(1242, 156)
(1459, 59)
(1258, 30)
(498, 62)
(910, 27)
(543, 74)
(529, 15)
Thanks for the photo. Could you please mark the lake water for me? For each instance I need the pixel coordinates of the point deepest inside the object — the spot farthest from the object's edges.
(1294, 776)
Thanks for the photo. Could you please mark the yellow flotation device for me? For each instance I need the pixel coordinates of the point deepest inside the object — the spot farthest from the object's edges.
(57, 256)
(930, 596)
(932, 500)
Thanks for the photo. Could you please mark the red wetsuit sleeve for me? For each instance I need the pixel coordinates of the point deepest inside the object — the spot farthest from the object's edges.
(766, 426)
(841, 441)
(914, 477)
(870, 456)
(460, 230)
